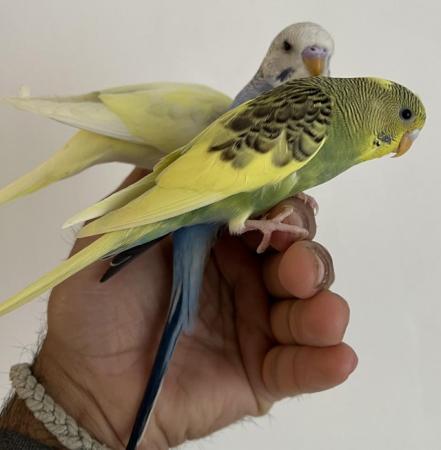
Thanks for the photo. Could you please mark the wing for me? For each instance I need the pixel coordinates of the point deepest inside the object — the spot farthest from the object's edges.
(163, 115)
(86, 112)
(169, 115)
(122, 197)
(259, 143)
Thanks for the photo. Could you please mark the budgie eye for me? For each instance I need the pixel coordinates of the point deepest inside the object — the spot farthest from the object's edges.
(406, 114)
(287, 46)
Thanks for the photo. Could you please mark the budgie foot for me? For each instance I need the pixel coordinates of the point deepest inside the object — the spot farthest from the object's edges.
(310, 201)
(268, 226)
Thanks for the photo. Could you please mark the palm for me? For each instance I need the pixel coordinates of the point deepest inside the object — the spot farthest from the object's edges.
(216, 370)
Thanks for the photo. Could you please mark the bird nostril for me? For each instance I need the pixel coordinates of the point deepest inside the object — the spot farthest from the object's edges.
(315, 51)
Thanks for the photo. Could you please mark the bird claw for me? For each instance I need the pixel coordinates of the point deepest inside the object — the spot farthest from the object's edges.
(268, 226)
(308, 200)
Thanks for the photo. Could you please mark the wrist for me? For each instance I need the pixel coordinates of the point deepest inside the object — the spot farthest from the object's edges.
(15, 416)
(84, 395)
(73, 397)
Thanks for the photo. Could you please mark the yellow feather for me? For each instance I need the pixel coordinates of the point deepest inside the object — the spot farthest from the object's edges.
(167, 117)
(74, 264)
(114, 201)
(83, 150)
(201, 170)
(156, 205)
(123, 197)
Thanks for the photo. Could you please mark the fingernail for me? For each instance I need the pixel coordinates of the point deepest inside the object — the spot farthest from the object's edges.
(354, 363)
(324, 271)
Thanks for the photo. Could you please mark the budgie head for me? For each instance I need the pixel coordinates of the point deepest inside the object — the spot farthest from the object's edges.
(300, 50)
(396, 119)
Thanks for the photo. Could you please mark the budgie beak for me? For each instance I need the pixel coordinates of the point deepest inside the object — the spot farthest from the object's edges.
(314, 58)
(406, 142)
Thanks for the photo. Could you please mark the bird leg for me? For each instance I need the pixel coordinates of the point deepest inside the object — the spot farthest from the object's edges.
(310, 201)
(268, 226)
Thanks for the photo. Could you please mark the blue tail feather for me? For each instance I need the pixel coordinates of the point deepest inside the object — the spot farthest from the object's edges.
(191, 246)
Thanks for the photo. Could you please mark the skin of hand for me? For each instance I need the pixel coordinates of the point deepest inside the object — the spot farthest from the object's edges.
(268, 328)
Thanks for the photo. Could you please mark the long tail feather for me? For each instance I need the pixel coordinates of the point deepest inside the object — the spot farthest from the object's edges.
(99, 248)
(83, 150)
(191, 246)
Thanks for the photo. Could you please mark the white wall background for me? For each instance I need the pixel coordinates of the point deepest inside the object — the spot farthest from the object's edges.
(380, 220)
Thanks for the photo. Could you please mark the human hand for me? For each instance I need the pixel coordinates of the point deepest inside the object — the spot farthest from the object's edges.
(267, 328)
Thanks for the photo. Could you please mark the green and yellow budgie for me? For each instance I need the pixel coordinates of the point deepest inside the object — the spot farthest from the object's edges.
(292, 138)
